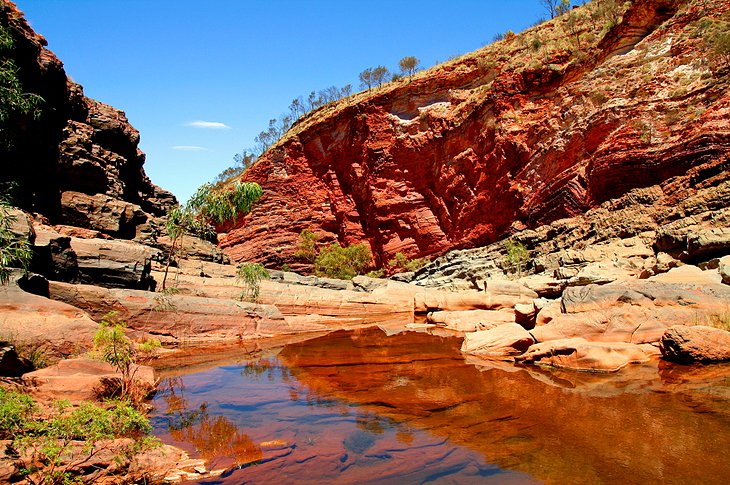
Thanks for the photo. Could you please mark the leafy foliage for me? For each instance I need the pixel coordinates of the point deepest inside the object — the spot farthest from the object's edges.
(307, 248)
(113, 346)
(48, 440)
(517, 256)
(402, 263)
(207, 206)
(250, 275)
(334, 261)
(14, 252)
(15, 410)
(408, 65)
(14, 102)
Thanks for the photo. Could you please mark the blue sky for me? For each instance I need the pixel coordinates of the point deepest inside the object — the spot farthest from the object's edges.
(236, 64)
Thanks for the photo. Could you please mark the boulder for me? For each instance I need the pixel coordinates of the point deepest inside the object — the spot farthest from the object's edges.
(195, 249)
(543, 284)
(53, 256)
(582, 355)
(114, 263)
(102, 213)
(57, 328)
(688, 275)
(623, 323)
(471, 320)
(502, 341)
(525, 314)
(176, 316)
(547, 310)
(495, 297)
(700, 343)
(723, 268)
(707, 243)
(83, 379)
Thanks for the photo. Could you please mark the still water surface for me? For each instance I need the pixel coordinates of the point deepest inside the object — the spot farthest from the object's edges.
(364, 407)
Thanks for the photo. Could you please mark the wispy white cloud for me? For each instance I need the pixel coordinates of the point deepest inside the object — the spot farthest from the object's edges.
(189, 148)
(209, 125)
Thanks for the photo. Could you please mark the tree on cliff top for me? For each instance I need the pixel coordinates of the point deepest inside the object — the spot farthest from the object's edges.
(408, 65)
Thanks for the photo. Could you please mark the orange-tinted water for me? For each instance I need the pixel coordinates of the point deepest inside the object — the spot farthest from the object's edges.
(362, 407)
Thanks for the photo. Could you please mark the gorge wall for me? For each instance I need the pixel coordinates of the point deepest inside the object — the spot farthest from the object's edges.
(540, 126)
(77, 163)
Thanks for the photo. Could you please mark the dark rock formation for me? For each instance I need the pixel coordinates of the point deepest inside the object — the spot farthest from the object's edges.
(78, 163)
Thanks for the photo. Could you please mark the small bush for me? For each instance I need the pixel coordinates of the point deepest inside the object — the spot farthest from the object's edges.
(518, 256)
(48, 441)
(307, 248)
(402, 263)
(250, 275)
(14, 252)
(334, 261)
(112, 346)
(15, 410)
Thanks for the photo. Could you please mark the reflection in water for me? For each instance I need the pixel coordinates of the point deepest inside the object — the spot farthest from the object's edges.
(357, 407)
(216, 438)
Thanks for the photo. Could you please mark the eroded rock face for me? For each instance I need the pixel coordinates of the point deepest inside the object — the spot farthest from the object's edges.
(78, 145)
(466, 153)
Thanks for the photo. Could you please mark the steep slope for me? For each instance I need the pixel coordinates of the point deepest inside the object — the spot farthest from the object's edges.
(77, 163)
(540, 126)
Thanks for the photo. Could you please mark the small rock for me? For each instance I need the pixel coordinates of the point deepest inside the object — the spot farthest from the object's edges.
(525, 315)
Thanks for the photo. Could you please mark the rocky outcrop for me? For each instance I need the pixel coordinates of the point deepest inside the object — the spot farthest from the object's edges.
(699, 343)
(582, 355)
(504, 341)
(78, 163)
(59, 329)
(519, 134)
(83, 379)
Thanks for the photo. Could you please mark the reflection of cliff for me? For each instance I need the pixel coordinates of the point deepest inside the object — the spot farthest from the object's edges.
(216, 438)
(628, 428)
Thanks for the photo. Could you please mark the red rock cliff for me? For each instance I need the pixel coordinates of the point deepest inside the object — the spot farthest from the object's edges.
(537, 127)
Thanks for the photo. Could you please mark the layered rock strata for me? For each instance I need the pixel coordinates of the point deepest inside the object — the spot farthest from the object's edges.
(522, 133)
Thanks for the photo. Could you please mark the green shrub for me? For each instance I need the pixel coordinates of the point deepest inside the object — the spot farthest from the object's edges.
(15, 410)
(250, 275)
(112, 346)
(14, 252)
(307, 248)
(50, 440)
(402, 263)
(15, 103)
(334, 261)
(517, 256)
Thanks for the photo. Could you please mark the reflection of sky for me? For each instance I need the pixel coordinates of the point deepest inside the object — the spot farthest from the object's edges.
(316, 437)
